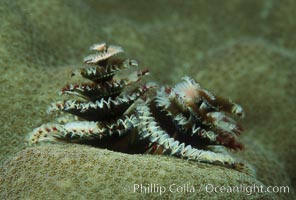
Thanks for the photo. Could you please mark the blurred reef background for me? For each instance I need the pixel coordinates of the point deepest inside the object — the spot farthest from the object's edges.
(242, 49)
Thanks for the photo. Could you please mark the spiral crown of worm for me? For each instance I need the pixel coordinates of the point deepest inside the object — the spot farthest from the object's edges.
(123, 114)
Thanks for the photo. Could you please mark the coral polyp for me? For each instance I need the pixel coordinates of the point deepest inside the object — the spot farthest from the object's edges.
(121, 113)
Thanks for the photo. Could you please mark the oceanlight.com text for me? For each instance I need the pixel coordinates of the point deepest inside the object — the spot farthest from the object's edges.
(208, 188)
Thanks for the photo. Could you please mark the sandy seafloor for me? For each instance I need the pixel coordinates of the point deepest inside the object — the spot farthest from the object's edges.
(244, 50)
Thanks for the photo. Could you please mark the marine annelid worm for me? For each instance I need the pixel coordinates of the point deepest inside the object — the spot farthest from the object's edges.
(122, 114)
